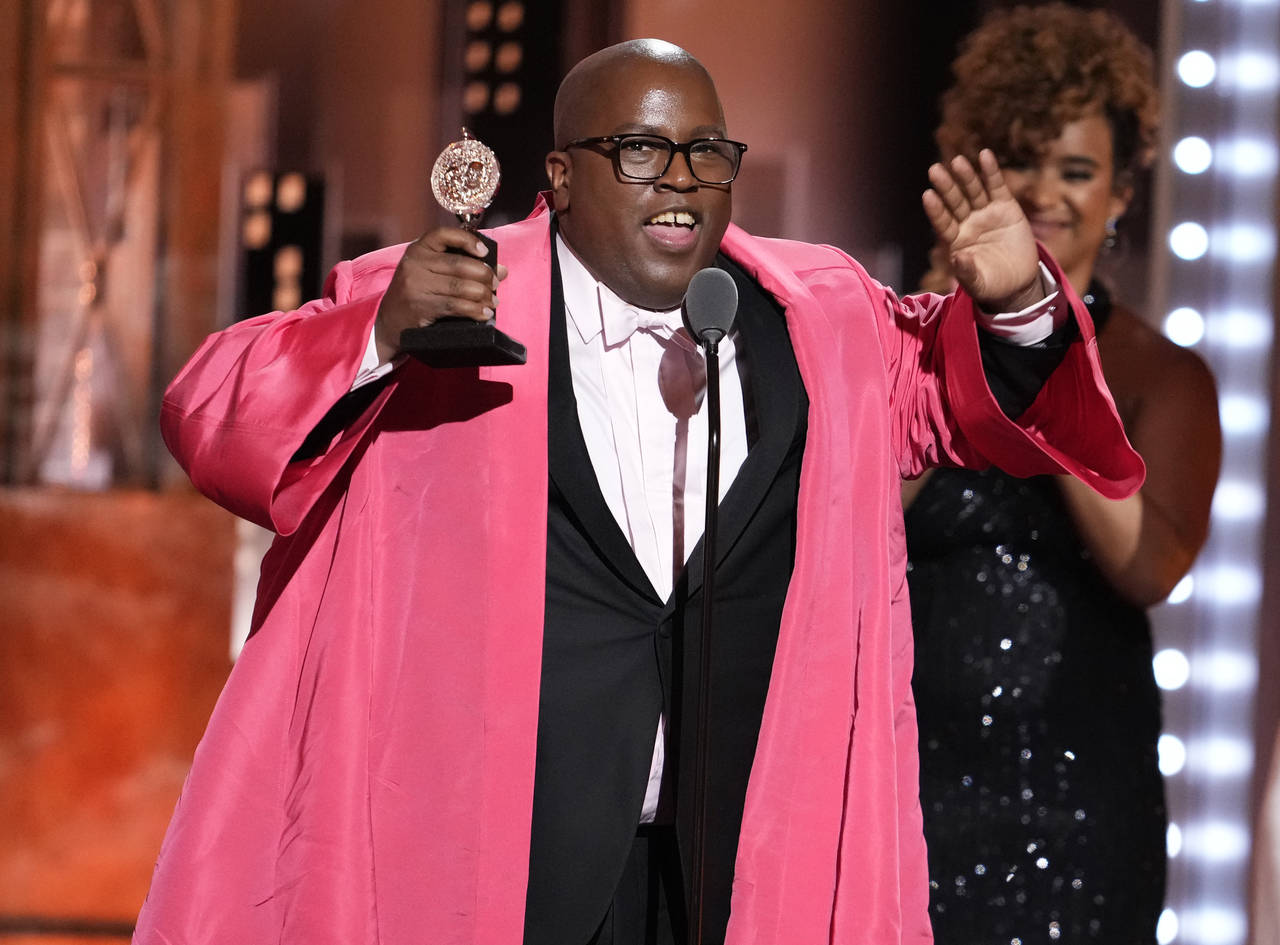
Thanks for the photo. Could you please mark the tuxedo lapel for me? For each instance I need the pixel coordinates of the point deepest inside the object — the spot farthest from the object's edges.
(775, 401)
(572, 474)
(774, 390)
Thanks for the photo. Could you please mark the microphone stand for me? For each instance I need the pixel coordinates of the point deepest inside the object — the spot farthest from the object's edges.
(711, 345)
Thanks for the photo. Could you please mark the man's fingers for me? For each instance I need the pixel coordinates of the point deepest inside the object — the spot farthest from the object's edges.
(454, 252)
(992, 176)
(448, 263)
(452, 306)
(969, 182)
(940, 217)
(444, 238)
(430, 288)
(949, 193)
(429, 270)
(468, 289)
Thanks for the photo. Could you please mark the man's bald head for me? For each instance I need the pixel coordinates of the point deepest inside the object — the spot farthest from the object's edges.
(642, 237)
(590, 79)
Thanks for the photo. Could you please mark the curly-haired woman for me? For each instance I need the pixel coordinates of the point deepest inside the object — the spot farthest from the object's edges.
(1039, 715)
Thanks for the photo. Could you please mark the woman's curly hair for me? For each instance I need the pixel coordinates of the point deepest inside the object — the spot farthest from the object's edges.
(1027, 72)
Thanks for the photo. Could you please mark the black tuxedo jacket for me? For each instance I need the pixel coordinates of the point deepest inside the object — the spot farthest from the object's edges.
(615, 655)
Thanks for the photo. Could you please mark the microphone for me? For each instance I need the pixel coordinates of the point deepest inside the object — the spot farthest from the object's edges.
(710, 304)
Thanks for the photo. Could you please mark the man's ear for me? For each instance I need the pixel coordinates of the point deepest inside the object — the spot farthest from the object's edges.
(559, 167)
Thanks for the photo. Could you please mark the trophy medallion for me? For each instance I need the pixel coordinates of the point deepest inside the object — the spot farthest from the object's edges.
(464, 181)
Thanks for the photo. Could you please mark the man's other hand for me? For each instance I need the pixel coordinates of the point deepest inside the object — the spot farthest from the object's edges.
(431, 283)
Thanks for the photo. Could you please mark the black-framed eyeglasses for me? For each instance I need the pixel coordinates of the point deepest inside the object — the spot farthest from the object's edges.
(647, 157)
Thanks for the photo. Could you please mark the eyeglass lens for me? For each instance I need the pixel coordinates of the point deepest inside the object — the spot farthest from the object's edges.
(712, 161)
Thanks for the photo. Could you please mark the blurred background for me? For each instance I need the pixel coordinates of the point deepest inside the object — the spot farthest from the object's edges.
(167, 166)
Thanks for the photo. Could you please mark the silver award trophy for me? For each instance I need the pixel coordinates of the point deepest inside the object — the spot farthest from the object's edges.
(464, 180)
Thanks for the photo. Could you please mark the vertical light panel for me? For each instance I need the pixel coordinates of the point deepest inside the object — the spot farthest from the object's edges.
(1212, 268)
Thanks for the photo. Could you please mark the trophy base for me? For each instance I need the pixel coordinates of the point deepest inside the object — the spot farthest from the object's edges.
(461, 342)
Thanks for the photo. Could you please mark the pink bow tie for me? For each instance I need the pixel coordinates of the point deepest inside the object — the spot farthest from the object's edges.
(621, 321)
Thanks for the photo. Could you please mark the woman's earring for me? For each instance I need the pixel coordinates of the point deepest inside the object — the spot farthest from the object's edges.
(1109, 241)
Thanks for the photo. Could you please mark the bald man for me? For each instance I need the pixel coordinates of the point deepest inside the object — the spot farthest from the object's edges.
(464, 712)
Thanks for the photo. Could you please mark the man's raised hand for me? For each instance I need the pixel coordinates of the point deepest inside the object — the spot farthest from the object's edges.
(992, 250)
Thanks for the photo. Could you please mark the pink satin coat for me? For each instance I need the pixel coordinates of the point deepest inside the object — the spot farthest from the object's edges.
(367, 774)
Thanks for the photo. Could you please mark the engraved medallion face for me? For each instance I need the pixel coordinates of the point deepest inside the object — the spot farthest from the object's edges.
(465, 177)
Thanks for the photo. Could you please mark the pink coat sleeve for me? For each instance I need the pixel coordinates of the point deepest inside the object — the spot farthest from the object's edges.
(245, 402)
(945, 414)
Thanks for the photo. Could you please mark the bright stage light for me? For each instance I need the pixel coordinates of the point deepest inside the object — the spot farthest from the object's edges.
(1246, 243)
(1173, 754)
(1220, 756)
(1193, 155)
(1189, 240)
(1248, 157)
(1230, 585)
(1184, 326)
(1197, 68)
(1216, 841)
(1241, 328)
(1212, 925)
(1226, 671)
(1239, 501)
(1172, 669)
(1182, 591)
(1252, 71)
(1243, 415)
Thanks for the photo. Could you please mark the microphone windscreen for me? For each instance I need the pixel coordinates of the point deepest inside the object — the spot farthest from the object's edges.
(710, 304)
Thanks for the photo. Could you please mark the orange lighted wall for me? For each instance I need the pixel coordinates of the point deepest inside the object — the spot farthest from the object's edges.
(115, 613)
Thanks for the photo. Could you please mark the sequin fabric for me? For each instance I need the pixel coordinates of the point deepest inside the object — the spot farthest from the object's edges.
(1039, 714)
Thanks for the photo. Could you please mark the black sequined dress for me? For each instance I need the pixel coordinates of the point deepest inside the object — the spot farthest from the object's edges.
(1039, 715)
